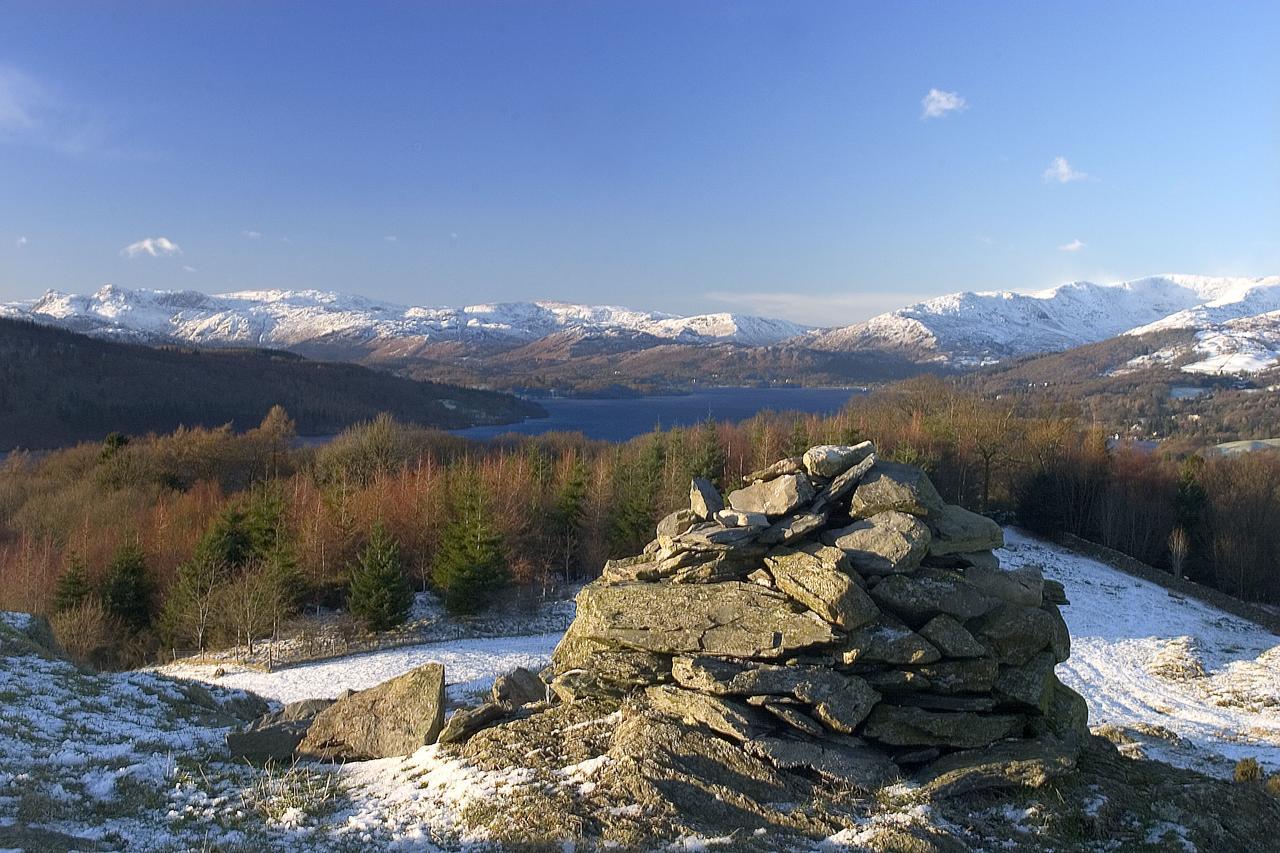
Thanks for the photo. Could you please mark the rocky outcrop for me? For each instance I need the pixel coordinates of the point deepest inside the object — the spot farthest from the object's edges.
(394, 718)
(837, 621)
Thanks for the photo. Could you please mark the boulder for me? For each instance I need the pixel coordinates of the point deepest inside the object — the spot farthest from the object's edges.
(844, 760)
(887, 543)
(1008, 764)
(519, 687)
(1023, 587)
(886, 641)
(848, 481)
(774, 498)
(465, 722)
(890, 486)
(1016, 633)
(394, 718)
(260, 743)
(832, 460)
(734, 518)
(898, 725)
(704, 499)
(956, 530)
(734, 619)
(951, 638)
(790, 465)
(929, 592)
(674, 524)
(793, 528)
(817, 577)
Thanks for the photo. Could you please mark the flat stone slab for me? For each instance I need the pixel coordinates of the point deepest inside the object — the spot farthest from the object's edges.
(845, 760)
(886, 641)
(899, 725)
(891, 486)
(929, 592)
(774, 498)
(733, 619)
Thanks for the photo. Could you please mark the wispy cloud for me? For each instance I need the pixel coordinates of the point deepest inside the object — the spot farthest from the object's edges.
(391, 238)
(251, 234)
(22, 241)
(1073, 246)
(154, 247)
(1061, 172)
(816, 309)
(937, 103)
(186, 268)
(33, 113)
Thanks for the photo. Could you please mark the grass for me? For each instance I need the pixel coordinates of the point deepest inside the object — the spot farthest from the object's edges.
(280, 795)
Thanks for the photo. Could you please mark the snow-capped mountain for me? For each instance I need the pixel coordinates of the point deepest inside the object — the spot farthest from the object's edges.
(966, 329)
(285, 318)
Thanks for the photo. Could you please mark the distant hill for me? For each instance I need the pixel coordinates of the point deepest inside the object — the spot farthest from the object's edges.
(59, 387)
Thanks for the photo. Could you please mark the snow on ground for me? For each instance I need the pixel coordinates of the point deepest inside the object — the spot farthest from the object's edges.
(469, 667)
(1136, 651)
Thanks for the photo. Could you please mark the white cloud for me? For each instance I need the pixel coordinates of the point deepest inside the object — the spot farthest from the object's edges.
(22, 241)
(1073, 246)
(1060, 171)
(391, 238)
(154, 247)
(817, 309)
(938, 103)
(251, 234)
(188, 269)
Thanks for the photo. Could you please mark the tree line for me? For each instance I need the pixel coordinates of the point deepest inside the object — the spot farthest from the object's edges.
(206, 537)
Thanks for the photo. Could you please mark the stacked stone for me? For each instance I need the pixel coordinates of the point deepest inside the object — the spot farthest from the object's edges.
(833, 615)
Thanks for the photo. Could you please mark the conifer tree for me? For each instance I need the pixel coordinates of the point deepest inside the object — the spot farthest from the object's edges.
(708, 459)
(73, 587)
(380, 595)
(470, 567)
(637, 489)
(126, 592)
(569, 511)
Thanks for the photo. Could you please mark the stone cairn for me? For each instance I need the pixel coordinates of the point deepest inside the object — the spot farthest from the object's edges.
(835, 617)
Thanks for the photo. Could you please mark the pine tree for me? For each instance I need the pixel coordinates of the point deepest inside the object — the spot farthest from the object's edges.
(380, 595)
(708, 459)
(126, 592)
(228, 540)
(73, 587)
(469, 567)
(567, 515)
(637, 489)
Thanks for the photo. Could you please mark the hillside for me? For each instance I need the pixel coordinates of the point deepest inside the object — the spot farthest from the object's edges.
(57, 388)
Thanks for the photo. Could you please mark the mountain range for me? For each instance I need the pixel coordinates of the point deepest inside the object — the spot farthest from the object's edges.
(1232, 325)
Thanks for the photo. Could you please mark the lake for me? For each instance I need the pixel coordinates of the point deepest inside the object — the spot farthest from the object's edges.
(622, 419)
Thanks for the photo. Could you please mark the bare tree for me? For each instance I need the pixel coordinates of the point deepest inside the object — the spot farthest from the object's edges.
(1179, 545)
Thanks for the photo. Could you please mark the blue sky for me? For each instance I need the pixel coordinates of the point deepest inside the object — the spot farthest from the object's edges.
(683, 156)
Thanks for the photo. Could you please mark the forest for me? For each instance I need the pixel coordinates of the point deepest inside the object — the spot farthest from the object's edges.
(206, 537)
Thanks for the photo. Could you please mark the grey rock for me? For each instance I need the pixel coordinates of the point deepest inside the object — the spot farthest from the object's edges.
(741, 678)
(848, 481)
(1023, 586)
(724, 716)
(1007, 764)
(734, 619)
(900, 725)
(897, 681)
(518, 687)
(276, 741)
(956, 530)
(774, 498)
(585, 670)
(1016, 633)
(841, 704)
(394, 718)
(982, 559)
(704, 499)
(946, 702)
(1029, 686)
(674, 524)
(793, 528)
(734, 518)
(787, 712)
(921, 596)
(817, 576)
(891, 486)
(972, 675)
(713, 536)
(832, 460)
(465, 722)
(886, 641)
(1060, 638)
(951, 638)
(1055, 592)
(887, 543)
(790, 465)
(848, 761)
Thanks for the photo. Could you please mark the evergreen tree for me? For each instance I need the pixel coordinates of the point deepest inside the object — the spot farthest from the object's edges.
(708, 459)
(469, 567)
(798, 443)
(126, 592)
(636, 490)
(228, 540)
(567, 515)
(380, 595)
(73, 587)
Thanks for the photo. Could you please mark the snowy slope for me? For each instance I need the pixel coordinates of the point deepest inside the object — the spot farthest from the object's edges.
(977, 328)
(284, 318)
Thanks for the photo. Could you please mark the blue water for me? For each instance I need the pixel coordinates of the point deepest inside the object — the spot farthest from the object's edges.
(619, 420)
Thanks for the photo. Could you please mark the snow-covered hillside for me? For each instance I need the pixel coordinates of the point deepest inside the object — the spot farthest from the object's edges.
(977, 328)
(285, 318)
